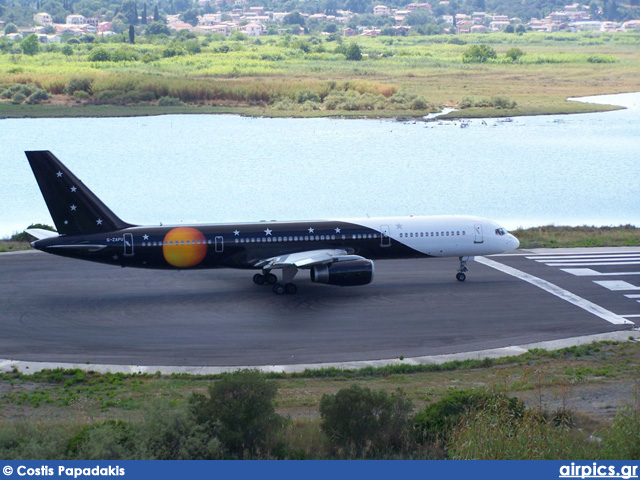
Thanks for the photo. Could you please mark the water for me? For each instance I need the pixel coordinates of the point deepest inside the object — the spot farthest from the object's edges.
(566, 170)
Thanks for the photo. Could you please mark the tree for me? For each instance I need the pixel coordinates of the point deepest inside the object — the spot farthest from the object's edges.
(10, 28)
(240, 411)
(132, 35)
(514, 53)
(294, 18)
(366, 420)
(156, 14)
(353, 52)
(144, 14)
(157, 28)
(478, 54)
(520, 29)
(30, 45)
(509, 29)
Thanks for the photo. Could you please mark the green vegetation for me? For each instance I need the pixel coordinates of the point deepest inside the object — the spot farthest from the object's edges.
(268, 76)
(530, 406)
(552, 236)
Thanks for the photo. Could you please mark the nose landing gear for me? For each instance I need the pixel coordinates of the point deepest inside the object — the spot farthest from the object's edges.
(460, 276)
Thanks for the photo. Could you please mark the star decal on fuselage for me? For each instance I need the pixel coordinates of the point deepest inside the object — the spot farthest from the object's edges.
(267, 232)
(73, 208)
(145, 237)
(311, 230)
(338, 230)
(59, 174)
(236, 232)
(399, 227)
(73, 189)
(99, 221)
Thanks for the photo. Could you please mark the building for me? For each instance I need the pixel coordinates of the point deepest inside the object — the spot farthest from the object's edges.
(76, 19)
(381, 10)
(43, 18)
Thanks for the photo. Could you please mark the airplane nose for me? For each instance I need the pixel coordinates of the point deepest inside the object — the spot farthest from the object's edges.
(515, 243)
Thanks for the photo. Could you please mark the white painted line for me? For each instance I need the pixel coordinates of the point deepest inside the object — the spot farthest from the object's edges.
(558, 292)
(616, 285)
(630, 316)
(632, 296)
(591, 264)
(581, 260)
(587, 272)
(562, 257)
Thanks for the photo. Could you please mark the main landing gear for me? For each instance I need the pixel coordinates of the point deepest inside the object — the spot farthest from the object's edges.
(268, 278)
(460, 276)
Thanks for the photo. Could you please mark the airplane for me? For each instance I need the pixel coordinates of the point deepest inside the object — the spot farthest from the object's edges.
(336, 252)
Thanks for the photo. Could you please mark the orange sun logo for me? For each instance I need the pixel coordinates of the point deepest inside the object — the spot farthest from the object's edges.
(184, 247)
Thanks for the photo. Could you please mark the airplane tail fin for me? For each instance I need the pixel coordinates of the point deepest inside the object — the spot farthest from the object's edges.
(74, 208)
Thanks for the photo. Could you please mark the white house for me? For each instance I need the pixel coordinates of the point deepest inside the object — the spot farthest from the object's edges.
(381, 10)
(76, 19)
(43, 18)
(253, 29)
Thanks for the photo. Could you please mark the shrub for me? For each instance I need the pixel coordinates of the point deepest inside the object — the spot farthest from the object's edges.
(622, 440)
(38, 96)
(169, 101)
(366, 421)
(353, 52)
(99, 55)
(478, 54)
(437, 420)
(80, 95)
(18, 98)
(79, 83)
(109, 440)
(307, 95)
(67, 50)
(239, 411)
(173, 50)
(503, 102)
(514, 53)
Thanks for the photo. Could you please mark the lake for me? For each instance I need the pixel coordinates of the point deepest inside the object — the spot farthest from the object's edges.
(562, 169)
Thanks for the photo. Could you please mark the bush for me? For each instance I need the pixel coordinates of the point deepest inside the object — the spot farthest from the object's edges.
(109, 440)
(622, 440)
(353, 52)
(514, 54)
(239, 411)
(170, 433)
(18, 98)
(437, 420)
(478, 54)
(99, 55)
(493, 431)
(173, 50)
(80, 95)
(79, 83)
(307, 95)
(169, 101)
(364, 421)
(38, 96)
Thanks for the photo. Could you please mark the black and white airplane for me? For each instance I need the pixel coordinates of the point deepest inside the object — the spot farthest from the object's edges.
(336, 252)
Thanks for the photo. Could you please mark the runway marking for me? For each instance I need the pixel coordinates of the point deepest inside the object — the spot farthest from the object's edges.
(630, 316)
(588, 264)
(559, 258)
(632, 296)
(558, 292)
(616, 285)
(587, 272)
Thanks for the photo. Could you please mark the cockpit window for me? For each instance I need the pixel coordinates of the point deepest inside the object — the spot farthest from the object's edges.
(501, 231)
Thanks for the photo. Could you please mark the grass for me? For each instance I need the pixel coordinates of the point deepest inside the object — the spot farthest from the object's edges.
(255, 78)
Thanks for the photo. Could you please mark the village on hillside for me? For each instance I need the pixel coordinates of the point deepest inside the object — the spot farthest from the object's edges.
(255, 21)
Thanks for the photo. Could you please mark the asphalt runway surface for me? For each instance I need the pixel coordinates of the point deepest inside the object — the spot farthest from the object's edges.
(64, 310)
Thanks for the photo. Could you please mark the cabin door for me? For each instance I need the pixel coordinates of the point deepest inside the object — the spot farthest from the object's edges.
(128, 244)
(219, 244)
(385, 238)
(477, 230)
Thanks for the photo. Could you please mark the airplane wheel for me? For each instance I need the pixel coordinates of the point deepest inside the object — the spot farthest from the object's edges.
(461, 277)
(259, 279)
(279, 289)
(291, 288)
(271, 278)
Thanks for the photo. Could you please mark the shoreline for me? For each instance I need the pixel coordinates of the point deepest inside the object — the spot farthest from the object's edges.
(574, 106)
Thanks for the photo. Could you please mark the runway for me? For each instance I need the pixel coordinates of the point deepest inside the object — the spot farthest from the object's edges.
(56, 309)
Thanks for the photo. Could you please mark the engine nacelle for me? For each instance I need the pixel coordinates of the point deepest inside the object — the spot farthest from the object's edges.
(346, 273)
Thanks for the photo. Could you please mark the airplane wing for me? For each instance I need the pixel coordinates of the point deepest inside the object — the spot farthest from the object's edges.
(306, 259)
(40, 233)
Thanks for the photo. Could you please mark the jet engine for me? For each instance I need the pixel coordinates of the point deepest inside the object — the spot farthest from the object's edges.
(346, 273)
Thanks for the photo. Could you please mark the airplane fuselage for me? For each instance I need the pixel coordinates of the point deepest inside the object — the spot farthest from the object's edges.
(244, 245)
